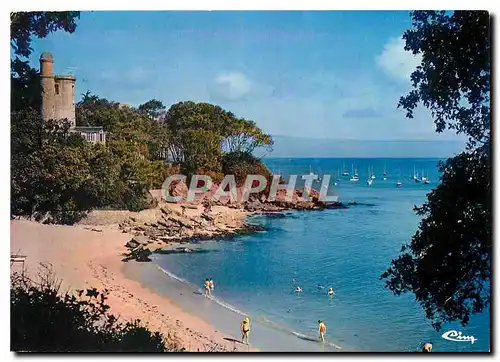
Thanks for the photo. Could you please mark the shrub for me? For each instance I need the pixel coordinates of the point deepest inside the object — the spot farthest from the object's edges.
(45, 320)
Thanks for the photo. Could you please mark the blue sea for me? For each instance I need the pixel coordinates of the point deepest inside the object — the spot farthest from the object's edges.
(345, 249)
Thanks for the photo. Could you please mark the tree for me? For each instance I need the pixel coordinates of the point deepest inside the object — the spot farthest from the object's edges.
(244, 136)
(201, 133)
(447, 264)
(240, 164)
(49, 172)
(25, 86)
(25, 25)
(153, 109)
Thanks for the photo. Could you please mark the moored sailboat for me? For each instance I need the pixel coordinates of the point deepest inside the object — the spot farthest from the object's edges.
(344, 172)
(425, 179)
(355, 176)
(399, 183)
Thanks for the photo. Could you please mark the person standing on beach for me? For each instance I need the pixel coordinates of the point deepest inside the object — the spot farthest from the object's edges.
(211, 281)
(207, 288)
(322, 330)
(245, 330)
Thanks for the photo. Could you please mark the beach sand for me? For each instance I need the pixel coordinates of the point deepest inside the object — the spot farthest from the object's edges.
(82, 258)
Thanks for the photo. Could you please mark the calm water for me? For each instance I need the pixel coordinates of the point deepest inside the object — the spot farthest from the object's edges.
(345, 249)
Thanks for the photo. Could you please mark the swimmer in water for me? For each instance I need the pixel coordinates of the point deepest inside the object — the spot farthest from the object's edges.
(331, 292)
(322, 330)
(207, 288)
(298, 289)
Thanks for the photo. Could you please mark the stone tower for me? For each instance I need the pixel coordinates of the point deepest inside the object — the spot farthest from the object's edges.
(58, 92)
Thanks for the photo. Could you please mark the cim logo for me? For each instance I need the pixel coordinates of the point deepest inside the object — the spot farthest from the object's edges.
(458, 337)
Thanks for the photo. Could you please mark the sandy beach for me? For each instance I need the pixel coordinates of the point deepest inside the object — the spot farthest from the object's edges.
(87, 256)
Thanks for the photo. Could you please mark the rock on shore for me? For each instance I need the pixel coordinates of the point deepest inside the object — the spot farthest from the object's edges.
(168, 225)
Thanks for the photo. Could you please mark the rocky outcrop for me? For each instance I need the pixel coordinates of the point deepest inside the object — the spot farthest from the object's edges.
(178, 188)
(169, 226)
(282, 203)
(137, 251)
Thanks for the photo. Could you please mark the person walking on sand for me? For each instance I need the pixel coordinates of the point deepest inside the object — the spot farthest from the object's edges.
(245, 330)
(207, 288)
(322, 330)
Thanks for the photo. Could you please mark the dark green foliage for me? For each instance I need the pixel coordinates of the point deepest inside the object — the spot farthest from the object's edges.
(45, 320)
(25, 25)
(153, 108)
(453, 80)
(241, 164)
(48, 169)
(25, 86)
(56, 176)
(135, 139)
(447, 264)
(201, 133)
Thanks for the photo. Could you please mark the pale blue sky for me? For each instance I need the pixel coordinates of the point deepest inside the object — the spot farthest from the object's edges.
(333, 75)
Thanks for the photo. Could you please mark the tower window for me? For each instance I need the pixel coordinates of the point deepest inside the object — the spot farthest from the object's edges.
(57, 88)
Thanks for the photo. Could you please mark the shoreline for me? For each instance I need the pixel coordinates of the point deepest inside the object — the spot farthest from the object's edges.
(266, 335)
(89, 254)
(81, 258)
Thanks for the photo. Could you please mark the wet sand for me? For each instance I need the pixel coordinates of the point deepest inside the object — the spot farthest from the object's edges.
(82, 258)
(264, 337)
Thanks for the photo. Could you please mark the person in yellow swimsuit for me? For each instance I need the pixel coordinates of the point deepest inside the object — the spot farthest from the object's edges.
(322, 330)
(427, 347)
(207, 288)
(245, 330)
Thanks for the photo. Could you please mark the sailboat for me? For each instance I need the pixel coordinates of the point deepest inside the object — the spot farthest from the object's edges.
(385, 174)
(373, 175)
(425, 179)
(344, 173)
(339, 174)
(399, 183)
(355, 176)
(370, 178)
(415, 175)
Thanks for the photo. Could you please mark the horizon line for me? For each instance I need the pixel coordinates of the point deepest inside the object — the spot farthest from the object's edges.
(371, 140)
